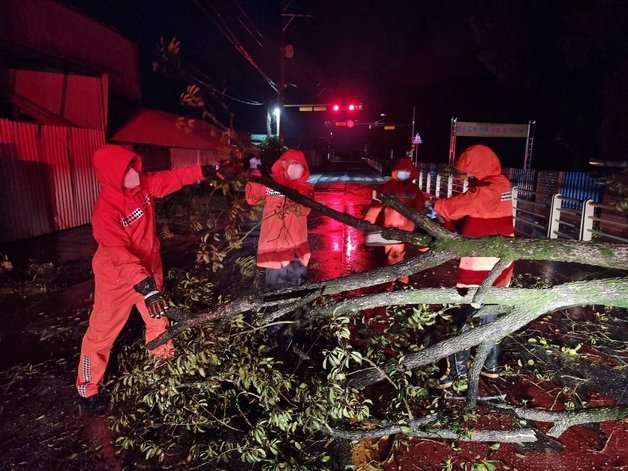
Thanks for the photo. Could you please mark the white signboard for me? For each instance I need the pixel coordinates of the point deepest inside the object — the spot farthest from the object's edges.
(467, 128)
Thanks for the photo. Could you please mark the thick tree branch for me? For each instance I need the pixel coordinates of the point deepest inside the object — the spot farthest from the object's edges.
(420, 220)
(497, 270)
(609, 292)
(524, 435)
(553, 250)
(365, 226)
(566, 295)
(601, 254)
(563, 420)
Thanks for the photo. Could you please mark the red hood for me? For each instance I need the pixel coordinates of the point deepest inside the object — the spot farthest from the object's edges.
(111, 163)
(404, 164)
(479, 161)
(279, 172)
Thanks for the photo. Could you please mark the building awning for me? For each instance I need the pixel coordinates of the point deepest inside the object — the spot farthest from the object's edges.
(163, 129)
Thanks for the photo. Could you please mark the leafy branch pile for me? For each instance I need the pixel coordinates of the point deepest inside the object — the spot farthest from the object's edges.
(279, 380)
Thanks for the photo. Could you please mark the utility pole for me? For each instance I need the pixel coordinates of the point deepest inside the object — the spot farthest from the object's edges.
(414, 155)
(286, 51)
(282, 72)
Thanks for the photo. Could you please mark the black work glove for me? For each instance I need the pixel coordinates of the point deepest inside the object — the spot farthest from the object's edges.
(220, 173)
(155, 302)
(209, 171)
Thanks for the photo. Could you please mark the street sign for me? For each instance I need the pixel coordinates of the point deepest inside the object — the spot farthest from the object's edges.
(417, 139)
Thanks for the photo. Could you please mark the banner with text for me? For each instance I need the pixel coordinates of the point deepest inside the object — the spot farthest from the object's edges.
(466, 128)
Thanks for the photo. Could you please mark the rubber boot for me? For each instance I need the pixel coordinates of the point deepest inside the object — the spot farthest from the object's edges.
(457, 367)
(491, 368)
(94, 405)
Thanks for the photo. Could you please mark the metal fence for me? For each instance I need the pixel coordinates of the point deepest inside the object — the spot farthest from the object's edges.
(575, 211)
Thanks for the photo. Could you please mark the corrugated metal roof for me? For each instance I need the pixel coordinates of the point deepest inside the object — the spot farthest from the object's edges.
(159, 128)
(58, 98)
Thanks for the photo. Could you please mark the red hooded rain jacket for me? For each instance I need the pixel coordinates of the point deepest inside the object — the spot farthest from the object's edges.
(283, 235)
(486, 208)
(124, 220)
(405, 191)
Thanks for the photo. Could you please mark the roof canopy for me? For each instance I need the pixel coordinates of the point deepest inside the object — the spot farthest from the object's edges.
(159, 128)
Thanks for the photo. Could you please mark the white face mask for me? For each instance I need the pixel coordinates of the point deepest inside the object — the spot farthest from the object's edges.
(294, 171)
(403, 175)
(131, 179)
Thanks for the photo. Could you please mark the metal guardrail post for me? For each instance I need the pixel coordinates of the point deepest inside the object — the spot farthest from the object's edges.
(420, 178)
(428, 182)
(554, 219)
(437, 189)
(515, 200)
(586, 221)
(450, 185)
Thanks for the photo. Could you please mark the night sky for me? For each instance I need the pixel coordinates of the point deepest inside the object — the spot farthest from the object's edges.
(562, 63)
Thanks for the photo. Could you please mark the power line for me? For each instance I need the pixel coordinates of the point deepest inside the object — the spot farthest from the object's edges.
(213, 88)
(221, 25)
(257, 36)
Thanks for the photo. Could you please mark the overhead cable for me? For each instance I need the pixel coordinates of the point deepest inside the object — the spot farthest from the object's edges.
(219, 22)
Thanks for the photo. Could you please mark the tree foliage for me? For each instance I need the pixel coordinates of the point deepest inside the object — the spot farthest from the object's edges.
(270, 150)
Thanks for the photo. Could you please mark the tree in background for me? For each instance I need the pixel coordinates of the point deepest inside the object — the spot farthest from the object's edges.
(568, 61)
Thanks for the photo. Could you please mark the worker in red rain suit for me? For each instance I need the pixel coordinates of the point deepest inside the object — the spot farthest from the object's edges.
(485, 209)
(283, 248)
(127, 264)
(401, 187)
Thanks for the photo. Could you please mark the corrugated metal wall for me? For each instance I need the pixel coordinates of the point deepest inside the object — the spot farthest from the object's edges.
(47, 182)
(580, 186)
